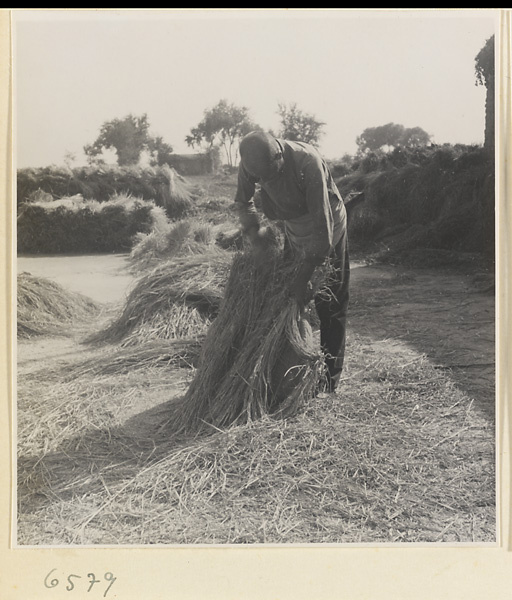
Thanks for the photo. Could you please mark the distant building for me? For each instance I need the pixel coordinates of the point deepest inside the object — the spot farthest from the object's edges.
(192, 164)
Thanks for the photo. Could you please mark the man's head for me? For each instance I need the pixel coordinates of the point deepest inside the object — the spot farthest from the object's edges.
(261, 155)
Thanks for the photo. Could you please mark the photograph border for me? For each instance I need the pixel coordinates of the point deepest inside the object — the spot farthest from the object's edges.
(352, 571)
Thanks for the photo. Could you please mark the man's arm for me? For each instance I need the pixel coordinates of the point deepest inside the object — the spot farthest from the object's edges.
(319, 207)
(244, 204)
(319, 248)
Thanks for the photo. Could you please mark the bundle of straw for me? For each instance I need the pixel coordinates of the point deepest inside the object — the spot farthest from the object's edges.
(170, 239)
(188, 287)
(46, 307)
(259, 355)
(179, 195)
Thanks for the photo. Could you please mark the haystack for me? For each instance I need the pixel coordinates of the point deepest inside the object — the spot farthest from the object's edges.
(259, 356)
(46, 307)
(178, 298)
(78, 226)
(170, 239)
(178, 196)
(156, 184)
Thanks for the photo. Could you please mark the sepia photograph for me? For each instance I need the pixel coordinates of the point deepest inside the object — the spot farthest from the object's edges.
(254, 279)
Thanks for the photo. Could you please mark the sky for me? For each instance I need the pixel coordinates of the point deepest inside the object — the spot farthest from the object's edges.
(351, 69)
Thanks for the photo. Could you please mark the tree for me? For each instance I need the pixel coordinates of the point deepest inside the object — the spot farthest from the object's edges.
(414, 137)
(129, 137)
(160, 151)
(69, 159)
(391, 136)
(484, 71)
(299, 126)
(375, 138)
(223, 125)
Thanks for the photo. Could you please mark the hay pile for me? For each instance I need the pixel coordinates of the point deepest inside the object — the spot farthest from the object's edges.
(120, 360)
(258, 357)
(441, 200)
(178, 298)
(76, 225)
(170, 239)
(178, 196)
(45, 307)
(158, 184)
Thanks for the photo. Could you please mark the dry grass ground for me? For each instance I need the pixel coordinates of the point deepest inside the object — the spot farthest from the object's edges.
(404, 452)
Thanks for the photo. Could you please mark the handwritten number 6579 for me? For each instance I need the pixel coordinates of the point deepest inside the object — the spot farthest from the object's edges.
(50, 582)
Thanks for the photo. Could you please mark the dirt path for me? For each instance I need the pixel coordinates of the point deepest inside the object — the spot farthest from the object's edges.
(447, 316)
(103, 277)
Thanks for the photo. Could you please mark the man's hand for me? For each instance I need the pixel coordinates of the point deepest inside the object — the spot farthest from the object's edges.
(259, 243)
(301, 288)
(302, 292)
(259, 238)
